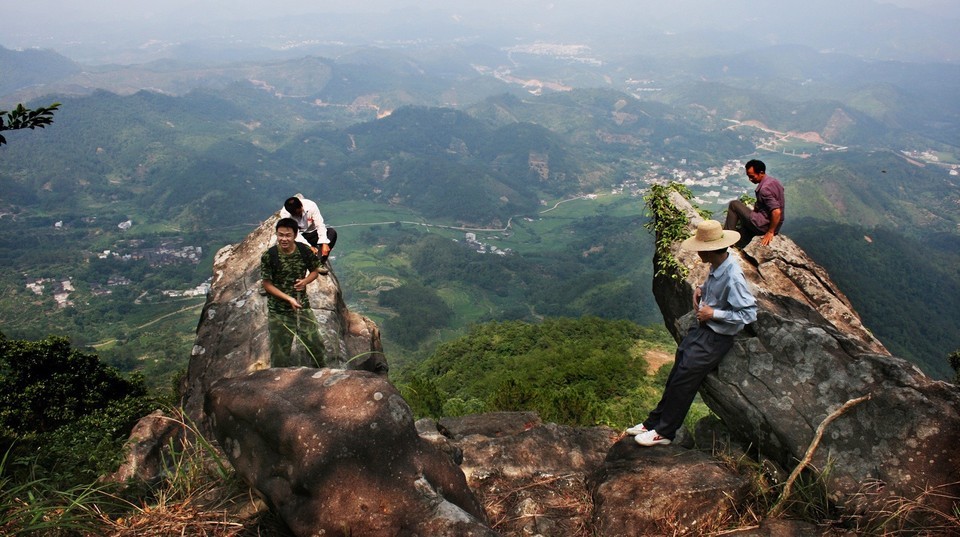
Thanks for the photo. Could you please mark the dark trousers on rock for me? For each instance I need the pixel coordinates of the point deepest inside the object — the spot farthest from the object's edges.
(697, 355)
(738, 212)
(304, 327)
(313, 237)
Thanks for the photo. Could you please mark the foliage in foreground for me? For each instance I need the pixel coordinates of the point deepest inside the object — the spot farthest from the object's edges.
(63, 413)
(46, 384)
(669, 226)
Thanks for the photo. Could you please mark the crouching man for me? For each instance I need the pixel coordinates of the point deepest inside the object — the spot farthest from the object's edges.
(724, 305)
(286, 269)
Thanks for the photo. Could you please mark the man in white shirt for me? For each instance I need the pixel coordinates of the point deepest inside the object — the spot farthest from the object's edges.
(312, 229)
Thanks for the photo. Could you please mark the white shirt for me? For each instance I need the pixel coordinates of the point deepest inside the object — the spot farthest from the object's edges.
(310, 220)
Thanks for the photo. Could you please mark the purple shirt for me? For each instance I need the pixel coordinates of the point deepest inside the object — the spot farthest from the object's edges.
(769, 197)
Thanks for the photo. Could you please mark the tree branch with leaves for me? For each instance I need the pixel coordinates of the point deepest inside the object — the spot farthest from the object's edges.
(22, 117)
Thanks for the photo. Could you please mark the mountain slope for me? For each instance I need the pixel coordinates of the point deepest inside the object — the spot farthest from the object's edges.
(32, 67)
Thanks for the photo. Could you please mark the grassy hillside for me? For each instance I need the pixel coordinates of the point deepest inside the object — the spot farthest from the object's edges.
(577, 372)
(876, 188)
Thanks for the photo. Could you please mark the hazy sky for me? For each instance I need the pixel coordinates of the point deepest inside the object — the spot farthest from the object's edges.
(72, 12)
(62, 24)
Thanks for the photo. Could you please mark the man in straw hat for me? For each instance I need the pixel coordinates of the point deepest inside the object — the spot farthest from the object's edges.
(724, 305)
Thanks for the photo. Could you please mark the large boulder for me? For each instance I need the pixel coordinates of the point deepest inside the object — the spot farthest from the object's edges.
(806, 356)
(232, 337)
(665, 490)
(335, 452)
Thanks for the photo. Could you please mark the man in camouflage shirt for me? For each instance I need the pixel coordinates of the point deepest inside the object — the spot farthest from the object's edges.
(286, 271)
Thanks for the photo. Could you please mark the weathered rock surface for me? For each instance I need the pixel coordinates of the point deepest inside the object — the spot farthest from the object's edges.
(335, 452)
(808, 354)
(539, 478)
(232, 337)
(149, 439)
(664, 490)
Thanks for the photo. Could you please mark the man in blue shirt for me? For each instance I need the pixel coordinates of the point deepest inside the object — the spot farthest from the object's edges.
(724, 305)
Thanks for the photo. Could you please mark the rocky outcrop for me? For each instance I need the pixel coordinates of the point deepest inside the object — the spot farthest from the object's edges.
(539, 478)
(335, 452)
(663, 491)
(232, 337)
(146, 447)
(807, 355)
(232, 340)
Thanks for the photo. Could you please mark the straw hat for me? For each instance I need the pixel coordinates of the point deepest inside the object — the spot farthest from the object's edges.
(710, 236)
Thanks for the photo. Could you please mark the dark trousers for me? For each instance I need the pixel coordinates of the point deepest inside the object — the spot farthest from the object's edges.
(738, 212)
(313, 237)
(698, 354)
(304, 327)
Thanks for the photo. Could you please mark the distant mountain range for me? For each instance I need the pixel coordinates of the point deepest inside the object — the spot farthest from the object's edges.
(448, 134)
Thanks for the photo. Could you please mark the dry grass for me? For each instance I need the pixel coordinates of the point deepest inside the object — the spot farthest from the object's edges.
(547, 504)
(175, 519)
(199, 496)
(923, 515)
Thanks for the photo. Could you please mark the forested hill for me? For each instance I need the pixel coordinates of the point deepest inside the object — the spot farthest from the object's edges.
(26, 68)
(202, 161)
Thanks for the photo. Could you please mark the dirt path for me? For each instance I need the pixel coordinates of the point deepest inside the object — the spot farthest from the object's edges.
(655, 359)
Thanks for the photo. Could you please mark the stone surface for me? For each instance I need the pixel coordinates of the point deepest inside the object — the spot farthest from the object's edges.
(146, 446)
(663, 490)
(808, 354)
(788, 528)
(232, 336)
(529, 475)
(335, 452)
(490, 424)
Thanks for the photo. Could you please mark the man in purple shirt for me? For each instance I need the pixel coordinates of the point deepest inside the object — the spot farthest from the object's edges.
(766, 217)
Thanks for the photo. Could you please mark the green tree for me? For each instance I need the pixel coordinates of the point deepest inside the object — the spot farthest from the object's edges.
(575, 371)
(46, 384)
(26, 118)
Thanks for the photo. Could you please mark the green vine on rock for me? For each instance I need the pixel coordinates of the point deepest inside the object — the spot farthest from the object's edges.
(668, 225)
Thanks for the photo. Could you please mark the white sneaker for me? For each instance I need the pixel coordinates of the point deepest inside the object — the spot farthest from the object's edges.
(652, 438)
(636, 429)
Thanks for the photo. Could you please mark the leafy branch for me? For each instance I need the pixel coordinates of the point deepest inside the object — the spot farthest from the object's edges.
(26, 118)
(668, 225)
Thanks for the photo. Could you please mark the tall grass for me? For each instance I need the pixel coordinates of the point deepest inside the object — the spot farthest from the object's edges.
(198, 494)
(917, 516)
(34, 506)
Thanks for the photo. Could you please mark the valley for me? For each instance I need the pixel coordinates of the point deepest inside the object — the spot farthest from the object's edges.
(520, 203)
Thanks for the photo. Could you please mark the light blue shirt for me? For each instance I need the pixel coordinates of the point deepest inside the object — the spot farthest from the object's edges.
(727, 293)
